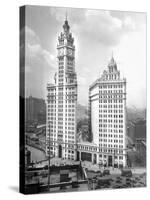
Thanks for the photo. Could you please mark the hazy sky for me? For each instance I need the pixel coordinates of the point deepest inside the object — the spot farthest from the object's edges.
(97, 33)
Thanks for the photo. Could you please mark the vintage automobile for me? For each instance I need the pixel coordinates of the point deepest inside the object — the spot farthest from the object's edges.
(126, 172)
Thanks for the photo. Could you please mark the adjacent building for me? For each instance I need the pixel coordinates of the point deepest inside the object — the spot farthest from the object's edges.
(136, 130)
(62, 100)
(35, 110)
(107, 114)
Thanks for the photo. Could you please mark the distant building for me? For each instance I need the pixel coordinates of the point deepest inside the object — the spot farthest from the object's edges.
(137, 130)
(140, 129)
(107, 106)
(27, 157)
(62, 100)
(131, 132)
(84, 130)
(35, 110)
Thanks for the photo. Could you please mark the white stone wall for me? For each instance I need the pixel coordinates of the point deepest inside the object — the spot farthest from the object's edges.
(108, 115)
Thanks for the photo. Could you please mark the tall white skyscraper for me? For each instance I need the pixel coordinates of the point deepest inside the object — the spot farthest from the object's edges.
(62, 100)
(107, 105)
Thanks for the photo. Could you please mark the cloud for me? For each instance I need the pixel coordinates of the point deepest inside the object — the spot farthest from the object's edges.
(49, 58)
(30, 36)
(100, 26)
(27, 69)
(74, 15)
(82, 80)
(129, 23)
(97, 33)
(34, 50)
(39, 62)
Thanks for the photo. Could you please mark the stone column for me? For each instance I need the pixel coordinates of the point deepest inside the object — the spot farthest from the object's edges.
(92, 158)
(80, 156)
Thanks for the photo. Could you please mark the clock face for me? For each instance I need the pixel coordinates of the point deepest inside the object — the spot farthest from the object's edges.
(60, 52)
(70, 52)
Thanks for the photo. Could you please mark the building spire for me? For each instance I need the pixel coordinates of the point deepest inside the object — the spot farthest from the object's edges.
(66, 16)
(112, 57)
(66, 26)
(112, 62)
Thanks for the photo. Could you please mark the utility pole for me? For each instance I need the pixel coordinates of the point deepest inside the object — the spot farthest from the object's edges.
(114, 160)
(49, 159)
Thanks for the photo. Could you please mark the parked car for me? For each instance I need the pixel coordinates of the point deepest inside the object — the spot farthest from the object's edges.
(126, 173)
(106, 172)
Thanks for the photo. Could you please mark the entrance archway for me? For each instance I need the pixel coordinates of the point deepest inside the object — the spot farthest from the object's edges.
(78, 154)
(94, 159)
(60, 151)
(86, 156)
(109, 161)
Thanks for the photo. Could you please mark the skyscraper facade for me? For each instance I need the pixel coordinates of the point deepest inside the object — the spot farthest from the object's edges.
(62, 100)
(107, 106)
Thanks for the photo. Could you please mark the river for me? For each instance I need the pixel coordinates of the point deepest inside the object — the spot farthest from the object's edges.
(36, 154)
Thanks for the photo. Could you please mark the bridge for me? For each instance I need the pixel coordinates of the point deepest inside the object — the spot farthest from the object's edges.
(93, 153)
(40, 146)
(87, 151)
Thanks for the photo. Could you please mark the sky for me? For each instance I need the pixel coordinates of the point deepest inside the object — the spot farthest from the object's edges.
(97, 33)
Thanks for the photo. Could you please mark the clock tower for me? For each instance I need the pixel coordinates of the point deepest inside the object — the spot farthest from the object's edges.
(66, 53)
(64, 94)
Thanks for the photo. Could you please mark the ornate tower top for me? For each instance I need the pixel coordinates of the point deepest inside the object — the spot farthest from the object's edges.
(66, 27)
(112, 65)
(65, 37)
(66, 56)
(112, 73)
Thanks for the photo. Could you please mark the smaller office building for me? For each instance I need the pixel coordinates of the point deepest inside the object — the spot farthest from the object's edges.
(107, 113)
